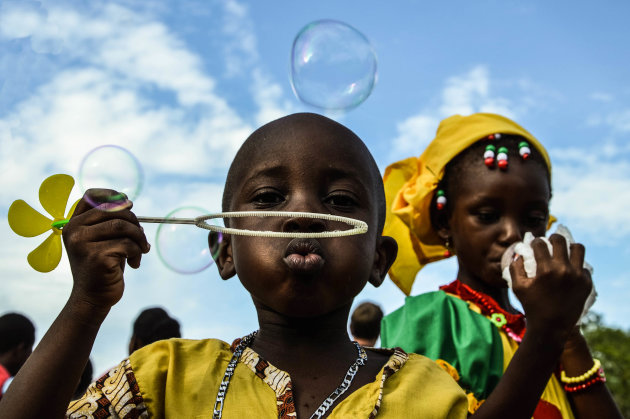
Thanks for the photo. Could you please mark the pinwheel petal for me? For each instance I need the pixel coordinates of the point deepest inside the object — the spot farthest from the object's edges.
(26, 221)
(47, 255)
(54, 193)
(72, 208)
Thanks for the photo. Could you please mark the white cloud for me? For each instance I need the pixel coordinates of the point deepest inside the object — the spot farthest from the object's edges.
(270, 99)
(464, 94)
(19, 19)
(240, 50)
(602, 97)
(415, 133)
(590, 193)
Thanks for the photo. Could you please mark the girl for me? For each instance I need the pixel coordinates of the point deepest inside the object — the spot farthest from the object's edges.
(479, 186)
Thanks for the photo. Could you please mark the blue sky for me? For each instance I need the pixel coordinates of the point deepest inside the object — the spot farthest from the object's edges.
(181, 84)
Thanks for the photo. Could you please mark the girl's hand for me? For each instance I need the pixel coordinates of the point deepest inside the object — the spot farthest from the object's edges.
(98, 244)
(553, 300)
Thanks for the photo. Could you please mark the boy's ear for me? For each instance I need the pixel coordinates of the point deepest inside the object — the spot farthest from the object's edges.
(221, 250)
(386, 251)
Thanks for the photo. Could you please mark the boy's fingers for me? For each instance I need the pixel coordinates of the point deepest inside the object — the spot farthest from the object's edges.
(577, 255)
(134, 256)
(94, 198)
(110, 229)
(123, 250)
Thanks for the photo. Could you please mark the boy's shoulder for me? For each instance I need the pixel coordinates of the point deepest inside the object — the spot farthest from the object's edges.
(180, 347)
(185, 354)
(415, 384)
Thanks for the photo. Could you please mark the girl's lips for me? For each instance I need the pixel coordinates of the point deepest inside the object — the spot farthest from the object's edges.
(304, 256)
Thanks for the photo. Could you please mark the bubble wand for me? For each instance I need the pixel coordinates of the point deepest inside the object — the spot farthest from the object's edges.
(55, 190)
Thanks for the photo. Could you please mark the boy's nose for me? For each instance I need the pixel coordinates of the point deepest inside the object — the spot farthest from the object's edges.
(303, 224)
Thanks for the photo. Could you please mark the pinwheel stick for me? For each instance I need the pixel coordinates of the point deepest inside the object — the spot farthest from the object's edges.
(359, 227)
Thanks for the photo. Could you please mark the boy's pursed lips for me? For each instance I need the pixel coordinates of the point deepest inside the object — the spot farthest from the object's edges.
(304, 256)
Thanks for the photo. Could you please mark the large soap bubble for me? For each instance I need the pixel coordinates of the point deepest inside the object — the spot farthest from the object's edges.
(333, 65)
(184, 248)
(111, 167)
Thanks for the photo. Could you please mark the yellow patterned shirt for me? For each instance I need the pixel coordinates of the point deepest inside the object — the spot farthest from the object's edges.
(180, 378)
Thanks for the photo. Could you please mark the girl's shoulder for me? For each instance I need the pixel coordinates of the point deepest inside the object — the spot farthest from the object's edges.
(423, 308)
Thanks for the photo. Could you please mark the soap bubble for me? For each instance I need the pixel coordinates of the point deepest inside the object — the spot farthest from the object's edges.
(333, 65)
(184, 248)
(111, 167)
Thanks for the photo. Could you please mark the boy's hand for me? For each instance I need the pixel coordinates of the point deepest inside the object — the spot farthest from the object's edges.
(554, 299)
(98, 244)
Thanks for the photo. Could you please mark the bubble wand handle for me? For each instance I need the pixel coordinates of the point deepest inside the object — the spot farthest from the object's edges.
(162, 220)
(192, 221)
(359, 227)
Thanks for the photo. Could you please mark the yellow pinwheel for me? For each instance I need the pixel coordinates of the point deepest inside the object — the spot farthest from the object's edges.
(27, 222)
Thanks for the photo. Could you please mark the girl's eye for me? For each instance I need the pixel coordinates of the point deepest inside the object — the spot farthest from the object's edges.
(487, 217)
(267, 198)
(342, 201)
(536, 219)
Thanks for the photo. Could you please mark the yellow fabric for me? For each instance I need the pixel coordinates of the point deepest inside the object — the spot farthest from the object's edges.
(180, 378)
(410, 185)
(553, 393)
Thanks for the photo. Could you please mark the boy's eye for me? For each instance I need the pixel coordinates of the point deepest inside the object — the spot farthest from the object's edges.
(267, 198)
(341, 201)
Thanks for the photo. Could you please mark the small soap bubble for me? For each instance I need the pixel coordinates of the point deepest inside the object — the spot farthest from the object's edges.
(111, 167)
(333, 65)
(185, 248)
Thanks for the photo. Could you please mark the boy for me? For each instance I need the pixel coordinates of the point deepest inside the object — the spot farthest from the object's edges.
(302, 289)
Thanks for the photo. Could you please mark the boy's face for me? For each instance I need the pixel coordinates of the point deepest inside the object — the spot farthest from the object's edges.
(492, 210)
(312, 167)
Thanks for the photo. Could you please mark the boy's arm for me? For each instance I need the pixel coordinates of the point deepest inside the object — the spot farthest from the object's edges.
(551, 313)
(98, 245)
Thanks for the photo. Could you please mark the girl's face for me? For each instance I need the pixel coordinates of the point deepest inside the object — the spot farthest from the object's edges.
(492, 210)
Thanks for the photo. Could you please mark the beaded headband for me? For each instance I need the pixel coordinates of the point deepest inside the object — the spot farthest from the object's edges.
(491, 156)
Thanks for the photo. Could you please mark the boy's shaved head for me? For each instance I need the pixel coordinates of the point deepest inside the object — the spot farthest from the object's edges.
(257, 146)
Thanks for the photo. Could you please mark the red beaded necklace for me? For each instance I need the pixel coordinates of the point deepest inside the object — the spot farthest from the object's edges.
(512, 324)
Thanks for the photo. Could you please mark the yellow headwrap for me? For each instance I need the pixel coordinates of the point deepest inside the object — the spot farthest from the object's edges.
(410, 185)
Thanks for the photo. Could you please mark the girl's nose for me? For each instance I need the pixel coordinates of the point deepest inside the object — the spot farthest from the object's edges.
(511, 232)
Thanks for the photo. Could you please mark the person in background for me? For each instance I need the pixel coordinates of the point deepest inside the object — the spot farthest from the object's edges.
(365, 323)
(151, 325)
(17, 335)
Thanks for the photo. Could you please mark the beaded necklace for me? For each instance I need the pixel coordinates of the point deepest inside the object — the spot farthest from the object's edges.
(321, 410)
(512, 324)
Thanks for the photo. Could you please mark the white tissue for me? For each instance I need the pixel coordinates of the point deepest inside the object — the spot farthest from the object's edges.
(525, 250)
